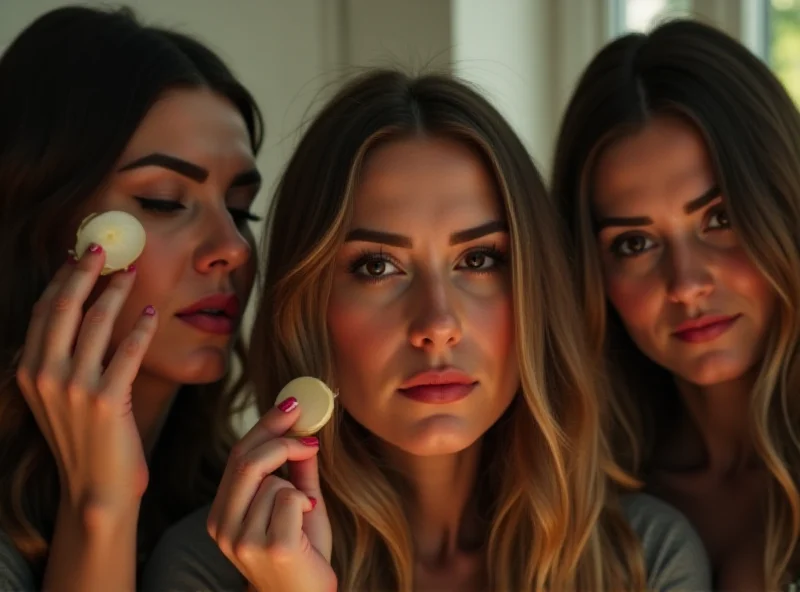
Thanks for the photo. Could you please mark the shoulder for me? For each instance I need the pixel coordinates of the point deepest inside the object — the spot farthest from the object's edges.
(187, 558)
(674, 555)
(15, 573)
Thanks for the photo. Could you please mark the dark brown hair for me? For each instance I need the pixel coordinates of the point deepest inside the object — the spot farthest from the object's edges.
(74, 87)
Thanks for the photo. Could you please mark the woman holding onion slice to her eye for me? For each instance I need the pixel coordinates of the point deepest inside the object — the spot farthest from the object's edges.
(114, 416)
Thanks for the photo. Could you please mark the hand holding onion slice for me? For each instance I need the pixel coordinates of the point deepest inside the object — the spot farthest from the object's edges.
(120, 234)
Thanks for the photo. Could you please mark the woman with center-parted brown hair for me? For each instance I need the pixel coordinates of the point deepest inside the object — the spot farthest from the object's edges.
(677, 170)
(415, 264)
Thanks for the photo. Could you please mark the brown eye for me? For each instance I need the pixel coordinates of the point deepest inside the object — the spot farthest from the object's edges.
(475, 260)
(375, 268)
(718, 220)
(631, 246)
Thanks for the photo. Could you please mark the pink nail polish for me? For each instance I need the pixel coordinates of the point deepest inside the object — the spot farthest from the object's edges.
(149, 310)
(313, 501)
(309, 441)
(288, 405)
(95, 248)
(130, 268)
(72, 260)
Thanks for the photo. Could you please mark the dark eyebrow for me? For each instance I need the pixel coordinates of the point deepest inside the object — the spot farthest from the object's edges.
(398, 240)
(377, 236)
(182, 167)
(702, 201)
(690, 207)
(251, 177)
(464, 236)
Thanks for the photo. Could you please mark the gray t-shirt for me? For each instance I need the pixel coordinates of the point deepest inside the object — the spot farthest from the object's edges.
(186, 558)
(15, 573)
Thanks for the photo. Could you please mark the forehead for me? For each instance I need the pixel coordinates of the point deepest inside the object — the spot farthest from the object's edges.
(665, 157)
(192, 123)
(431, 178)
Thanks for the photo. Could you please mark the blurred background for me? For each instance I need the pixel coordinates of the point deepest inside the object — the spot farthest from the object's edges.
(524, 54)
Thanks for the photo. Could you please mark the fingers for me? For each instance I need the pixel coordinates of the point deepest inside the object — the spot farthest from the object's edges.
(273, 424)
(305, 476)
(124, 365)
(31, 351)
(96, 328)
(253, 532)
(285, 530)
(66, 308)
(245, 473)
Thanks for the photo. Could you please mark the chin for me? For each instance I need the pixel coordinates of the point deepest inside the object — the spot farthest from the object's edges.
(437, 436)
(714, 368)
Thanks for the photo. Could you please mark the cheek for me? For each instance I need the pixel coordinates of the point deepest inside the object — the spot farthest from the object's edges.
(363, 335)
(157, 284)
(490, 323)
(636, 300)
(745, 280)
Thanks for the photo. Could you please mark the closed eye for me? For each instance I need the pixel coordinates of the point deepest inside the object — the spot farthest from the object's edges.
(240, 217)
(164, 206)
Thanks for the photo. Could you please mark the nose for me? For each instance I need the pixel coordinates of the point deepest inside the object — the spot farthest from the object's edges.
(435, 326)
(224, 247)
(689, 276)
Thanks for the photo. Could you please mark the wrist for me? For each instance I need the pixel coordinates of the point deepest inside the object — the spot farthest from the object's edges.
(99, 519)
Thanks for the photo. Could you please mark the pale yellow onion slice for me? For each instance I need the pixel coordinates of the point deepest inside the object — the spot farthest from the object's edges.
(316, 404)
(120, 234)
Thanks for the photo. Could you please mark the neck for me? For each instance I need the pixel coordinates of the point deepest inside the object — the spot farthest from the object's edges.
(716, 431)
(442, 515)
(151, 398)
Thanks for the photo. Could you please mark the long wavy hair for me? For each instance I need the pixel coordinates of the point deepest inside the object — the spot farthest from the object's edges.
(752, 132)
(551, 518)
(74, 87)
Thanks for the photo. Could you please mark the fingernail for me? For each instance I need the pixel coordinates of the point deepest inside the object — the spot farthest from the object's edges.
(72, 260)
(313, 501)
(130, 268)
(149, 310)
(95, 248)
(288, 405)
(309, 441)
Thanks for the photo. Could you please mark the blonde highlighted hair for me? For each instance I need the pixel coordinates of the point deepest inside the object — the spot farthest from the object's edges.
(752, 133)
(552, 521)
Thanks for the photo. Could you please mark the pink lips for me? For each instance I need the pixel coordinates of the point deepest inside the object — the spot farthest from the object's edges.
(217, 314)
(438, 387)
(704, 329)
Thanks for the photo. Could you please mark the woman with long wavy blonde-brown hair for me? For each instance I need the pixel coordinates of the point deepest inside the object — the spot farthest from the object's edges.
(677, 171)
(414, 264)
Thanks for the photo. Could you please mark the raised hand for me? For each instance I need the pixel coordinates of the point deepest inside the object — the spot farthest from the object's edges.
(275, 531)
(82, 406)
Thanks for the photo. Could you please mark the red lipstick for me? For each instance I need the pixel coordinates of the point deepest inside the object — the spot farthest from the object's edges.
(217, 314)
(438, 387)
(704, 329)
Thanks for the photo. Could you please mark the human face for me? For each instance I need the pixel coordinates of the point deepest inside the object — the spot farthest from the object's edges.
(421, 294)
(194, 208)
(675, 271)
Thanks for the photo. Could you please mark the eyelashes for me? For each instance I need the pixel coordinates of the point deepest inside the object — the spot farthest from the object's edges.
(635, 243)
(374, 267)
(169, 206)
